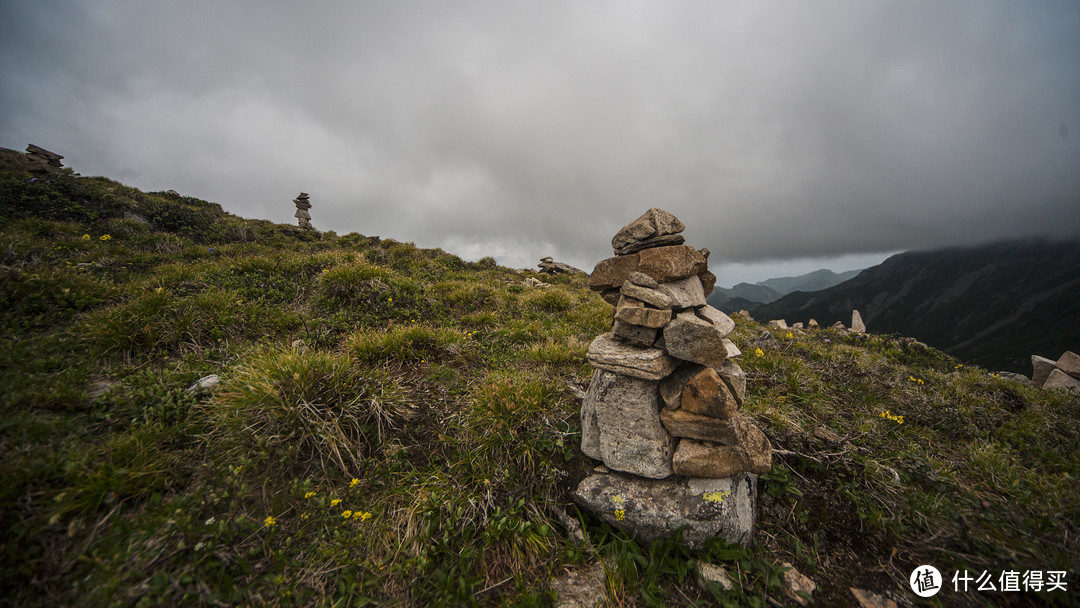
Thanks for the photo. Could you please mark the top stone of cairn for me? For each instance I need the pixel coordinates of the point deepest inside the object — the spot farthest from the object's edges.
(655, 228)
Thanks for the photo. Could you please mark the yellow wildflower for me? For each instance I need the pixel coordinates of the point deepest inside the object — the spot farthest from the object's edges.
(309, 494)
(335, 502)
(759, 353)
(269, 521)
(105, 237)
(346, 514)
(352, 484)
(86, 237)
(365, 516)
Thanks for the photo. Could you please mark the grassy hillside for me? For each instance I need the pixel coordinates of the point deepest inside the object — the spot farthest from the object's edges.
(395, 426)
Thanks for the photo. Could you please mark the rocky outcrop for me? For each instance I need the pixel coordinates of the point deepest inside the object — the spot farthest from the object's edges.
(1063, 373)
(664, 401)
(40, 160)
(548, 265)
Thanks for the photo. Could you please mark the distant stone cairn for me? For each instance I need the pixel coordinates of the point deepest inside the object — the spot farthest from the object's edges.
(662, 408)
(302, 215)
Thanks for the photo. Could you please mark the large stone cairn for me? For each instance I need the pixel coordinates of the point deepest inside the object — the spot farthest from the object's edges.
(664, 401)
(41, 160)
(302, 215)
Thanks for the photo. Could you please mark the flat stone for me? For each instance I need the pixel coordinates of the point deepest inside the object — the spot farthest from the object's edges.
(653, 223)
(708, 279)
(731, 349)
(205, 384)
(857, 324)
(635, 334)
(1015, 377)
(722, 322)
(752, 454)
(706, 394)
(671, 387)
(640, 278)
(656, 241)
(584, 588)
(711, 574)
(667, 264)
(1059, 379)
(867, 599)
(692, 339)
(681, 423)
(685, 293)
(778, 323)
(615, 355)
(631, 436)
(813, 324)
(653, 297)
(649, 509)
(1042, 368)
(1069, 363)
(611, 273)
(794, 583)
(590, 426)
(635, 312)
(735, 379)
(798, 325)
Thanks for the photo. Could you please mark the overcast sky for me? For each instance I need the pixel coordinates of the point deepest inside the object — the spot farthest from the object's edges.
(777, 131)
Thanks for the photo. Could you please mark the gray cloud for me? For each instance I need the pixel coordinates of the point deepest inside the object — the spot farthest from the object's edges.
(521, 129)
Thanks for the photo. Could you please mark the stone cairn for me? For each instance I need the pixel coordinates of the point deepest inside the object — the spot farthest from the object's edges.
(662, 408)
(41, 160)
(302, 215)
(1063, 373)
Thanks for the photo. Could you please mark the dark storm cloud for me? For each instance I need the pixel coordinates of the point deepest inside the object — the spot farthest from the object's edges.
(522, 129)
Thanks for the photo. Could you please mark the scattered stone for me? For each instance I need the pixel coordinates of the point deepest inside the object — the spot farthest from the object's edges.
(839, 325)
(798, 325)
(583, 588)
(653, 224)
(778, 323)
(1015, 377)
(534, 282)
(689, 338)
(650, 296)
(867, 599)
(649, 509)
(98, 388)
(1070, 364)
(795, 582)
(204, 384)
(745, 314)
(1059, 379)
(612, 354)
(303, 217)
(550, 266)
(857, 325)
(628, 434)
(710, 574)
(813, 324)
(1042, 368)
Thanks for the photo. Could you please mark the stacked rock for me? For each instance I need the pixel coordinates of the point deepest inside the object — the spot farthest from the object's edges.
(665, 395)
(42, 161)
(302, 215)
(662, 408)
(1063, 373)
(549, 266)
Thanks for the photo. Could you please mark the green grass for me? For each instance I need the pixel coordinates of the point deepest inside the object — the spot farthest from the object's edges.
(396, 426)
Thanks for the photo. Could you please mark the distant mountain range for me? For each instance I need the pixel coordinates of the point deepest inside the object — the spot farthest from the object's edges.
(994, 305)
(743, 295)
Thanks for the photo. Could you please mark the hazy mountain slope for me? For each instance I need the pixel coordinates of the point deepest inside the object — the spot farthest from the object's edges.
(770, 290)
(811, 281)
(995, 305)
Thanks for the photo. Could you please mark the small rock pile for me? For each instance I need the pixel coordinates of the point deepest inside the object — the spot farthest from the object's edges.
(1063, 373)
(664, 400)
(548, 265)
(302, 215)
(41, 160)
